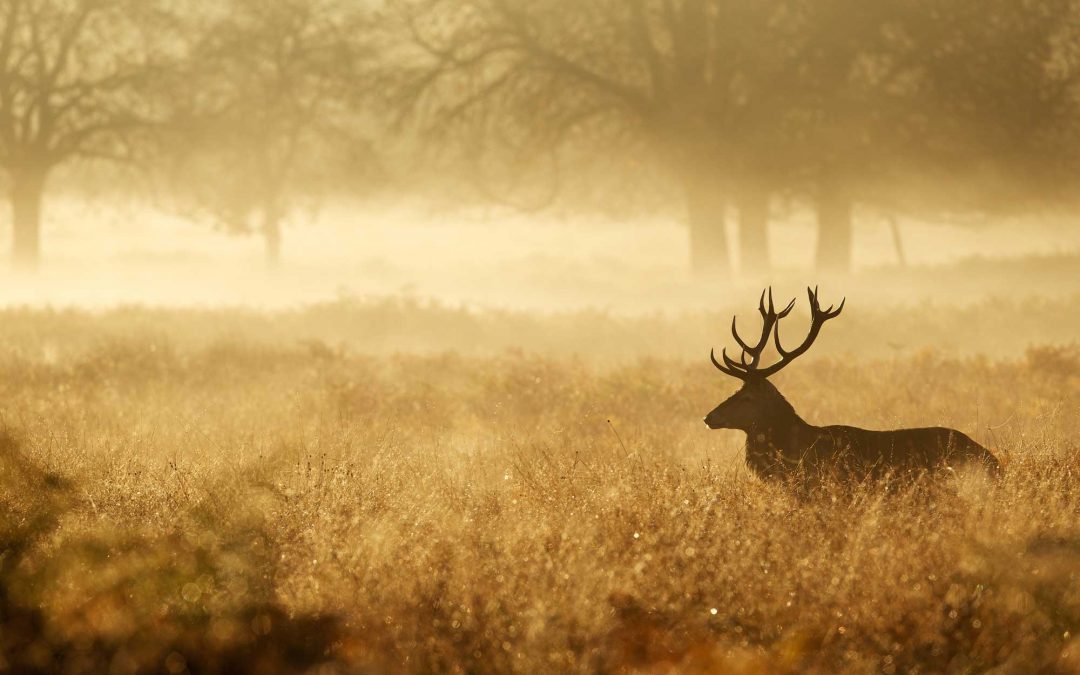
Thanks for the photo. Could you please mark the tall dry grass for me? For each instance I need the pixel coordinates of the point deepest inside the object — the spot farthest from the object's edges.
(262, 506)
(995, 326)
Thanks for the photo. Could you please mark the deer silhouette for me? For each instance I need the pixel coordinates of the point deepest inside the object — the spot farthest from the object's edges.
(780, 444)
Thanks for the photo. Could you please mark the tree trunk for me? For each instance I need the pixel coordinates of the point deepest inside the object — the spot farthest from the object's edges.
(27, 191)
(708, 234)
(754, 230)
(834, 230)
(271, 229)
(898, 241)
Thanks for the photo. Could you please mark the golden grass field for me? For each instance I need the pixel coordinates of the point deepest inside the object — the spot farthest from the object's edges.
(182, 492)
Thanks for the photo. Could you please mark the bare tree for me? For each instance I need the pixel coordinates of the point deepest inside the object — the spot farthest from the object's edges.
(901, 103)
(1004, 94)
(263, 112)
(72, 74)
(678, 82)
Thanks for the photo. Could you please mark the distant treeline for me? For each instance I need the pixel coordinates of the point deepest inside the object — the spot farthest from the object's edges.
(242, 113)
(1043, 329)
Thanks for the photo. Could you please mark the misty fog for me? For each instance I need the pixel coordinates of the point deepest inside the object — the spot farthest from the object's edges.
(489, 336)
(104, 255)
(628, 157)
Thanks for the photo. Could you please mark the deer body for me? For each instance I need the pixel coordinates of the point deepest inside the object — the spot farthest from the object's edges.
(781, 444)
(852, 453)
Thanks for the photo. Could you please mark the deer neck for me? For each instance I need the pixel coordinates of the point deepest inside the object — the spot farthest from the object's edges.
(781, 428)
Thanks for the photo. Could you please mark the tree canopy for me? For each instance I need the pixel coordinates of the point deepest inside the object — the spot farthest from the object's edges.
(707, 109)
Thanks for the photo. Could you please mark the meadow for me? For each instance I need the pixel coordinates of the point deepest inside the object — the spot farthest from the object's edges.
(392, 487)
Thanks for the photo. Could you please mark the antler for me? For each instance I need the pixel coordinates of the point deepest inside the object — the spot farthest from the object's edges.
(741, 368)
(745, 370)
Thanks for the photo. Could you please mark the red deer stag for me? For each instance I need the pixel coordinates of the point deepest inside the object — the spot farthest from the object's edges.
(780, 444)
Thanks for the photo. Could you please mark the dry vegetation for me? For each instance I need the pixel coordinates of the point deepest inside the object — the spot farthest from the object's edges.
(876, 325)
(251, 504)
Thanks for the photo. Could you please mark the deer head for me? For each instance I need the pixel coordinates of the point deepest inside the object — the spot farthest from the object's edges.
(758, 402)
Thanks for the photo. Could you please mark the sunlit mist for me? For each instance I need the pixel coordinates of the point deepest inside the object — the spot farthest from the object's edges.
(489, 336)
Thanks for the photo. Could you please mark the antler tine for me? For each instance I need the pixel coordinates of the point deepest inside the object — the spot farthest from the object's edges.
(768, 320)
(727, 371)
(818, 317)
(732, 363)
(776, 341)
(712, 357)
(829, 312)
(750, 359)
(738, 339)
(787, 310)
(839, 309)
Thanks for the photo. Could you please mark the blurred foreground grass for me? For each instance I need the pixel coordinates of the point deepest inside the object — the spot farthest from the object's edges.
(208, 492)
